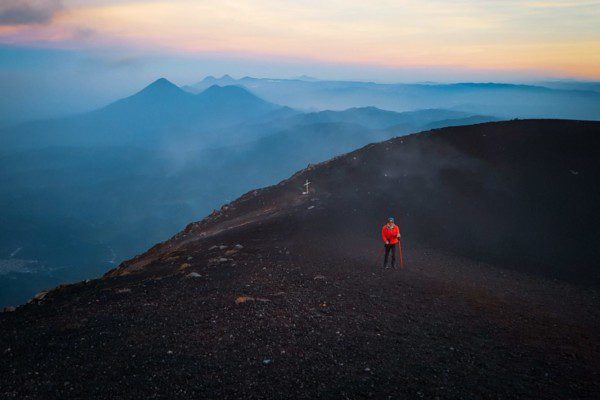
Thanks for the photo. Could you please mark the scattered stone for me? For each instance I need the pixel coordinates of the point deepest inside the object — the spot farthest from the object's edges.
(123, 290)
(230, 252)
(184, 266)
(311, 207)
(9, 309)
(190, 258)
(244, 299)
(262, 300)
(319, 278)
(40, 295)
(267, 361)
(367, 369)
(194, 275)
(222, 247)
(213, 247)
(238, 246)
(170, 352)
(222, 260)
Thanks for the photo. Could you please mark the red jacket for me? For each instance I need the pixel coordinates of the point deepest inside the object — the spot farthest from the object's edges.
(390, 234)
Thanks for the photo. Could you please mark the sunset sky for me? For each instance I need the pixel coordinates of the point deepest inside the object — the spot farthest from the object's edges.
(383, 40)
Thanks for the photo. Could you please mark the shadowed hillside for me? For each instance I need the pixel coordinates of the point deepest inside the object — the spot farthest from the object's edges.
(521, 193)
(281, 295)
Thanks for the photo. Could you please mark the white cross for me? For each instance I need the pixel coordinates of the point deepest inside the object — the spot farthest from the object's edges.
(306, 185)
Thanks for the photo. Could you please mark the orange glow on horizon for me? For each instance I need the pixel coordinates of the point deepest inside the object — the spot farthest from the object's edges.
(528, 35)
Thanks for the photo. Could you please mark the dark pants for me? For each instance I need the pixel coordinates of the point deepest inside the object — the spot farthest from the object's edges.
(390, 248)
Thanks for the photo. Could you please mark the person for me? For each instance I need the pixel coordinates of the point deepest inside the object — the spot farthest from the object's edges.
(390, 234)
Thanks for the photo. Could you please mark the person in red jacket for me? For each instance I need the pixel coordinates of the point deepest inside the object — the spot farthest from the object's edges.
(390, 234)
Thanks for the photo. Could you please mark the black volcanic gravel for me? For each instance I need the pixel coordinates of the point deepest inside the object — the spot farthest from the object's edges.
(301, 308)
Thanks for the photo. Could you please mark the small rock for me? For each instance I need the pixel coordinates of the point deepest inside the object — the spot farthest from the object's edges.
(311, 207)
(367, 369)
(170, 352)
(40, 295)
(222, 260)
(267, 361)
(190, 258)
(184, 266)
(222, 247)
(244, 299)
(9, 309)
(230, 252)
(319, 278)
(194, 275)
(213, 247)
(123, 290)
(238, 246)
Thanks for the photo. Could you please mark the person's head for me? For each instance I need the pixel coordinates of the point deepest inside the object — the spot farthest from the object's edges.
(390, 221)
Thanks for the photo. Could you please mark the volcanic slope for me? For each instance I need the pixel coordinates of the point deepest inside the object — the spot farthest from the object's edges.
(281, 295)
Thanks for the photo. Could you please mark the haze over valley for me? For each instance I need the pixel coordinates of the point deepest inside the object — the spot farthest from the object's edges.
(104, 185)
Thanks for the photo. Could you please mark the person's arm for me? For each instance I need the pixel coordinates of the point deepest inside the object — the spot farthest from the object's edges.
(383, 236)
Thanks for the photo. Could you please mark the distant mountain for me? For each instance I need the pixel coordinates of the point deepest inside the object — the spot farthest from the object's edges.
(572, 85)
(378, 119)
(307, 78)
(400, 123)
(503, 100)
(158, 113)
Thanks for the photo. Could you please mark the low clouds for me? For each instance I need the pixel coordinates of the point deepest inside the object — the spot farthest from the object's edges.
(25, 12)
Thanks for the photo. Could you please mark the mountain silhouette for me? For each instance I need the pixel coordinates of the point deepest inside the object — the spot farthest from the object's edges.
(145, 118)
(500, 99)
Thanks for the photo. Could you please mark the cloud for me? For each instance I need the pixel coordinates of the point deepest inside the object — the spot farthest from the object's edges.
(25, 12)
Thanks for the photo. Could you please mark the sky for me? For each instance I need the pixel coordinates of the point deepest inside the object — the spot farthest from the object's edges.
(76, 54)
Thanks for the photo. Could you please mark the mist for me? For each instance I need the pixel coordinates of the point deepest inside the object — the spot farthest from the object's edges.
(39, 82)
(99, 160)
